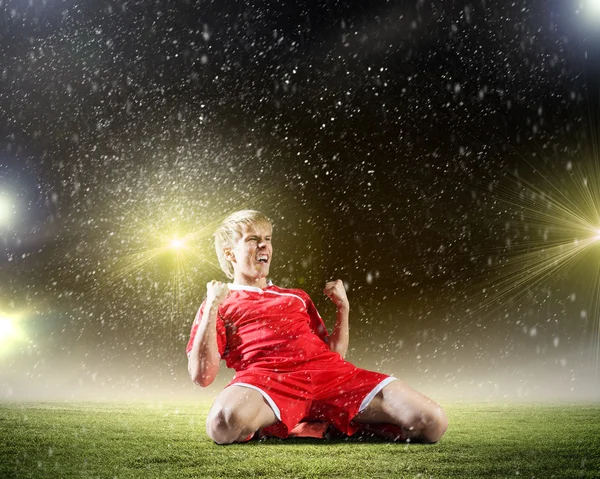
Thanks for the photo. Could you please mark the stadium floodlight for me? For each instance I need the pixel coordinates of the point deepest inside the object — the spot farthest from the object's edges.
(592, 8)
(6, 210)
(8, 329)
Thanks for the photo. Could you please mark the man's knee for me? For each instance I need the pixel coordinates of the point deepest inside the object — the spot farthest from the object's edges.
(430, 425)
(224, 425)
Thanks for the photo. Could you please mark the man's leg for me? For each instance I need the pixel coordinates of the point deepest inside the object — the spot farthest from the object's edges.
(236, 413)
(397, 403)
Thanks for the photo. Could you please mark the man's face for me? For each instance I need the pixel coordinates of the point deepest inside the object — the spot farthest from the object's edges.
(251, 255)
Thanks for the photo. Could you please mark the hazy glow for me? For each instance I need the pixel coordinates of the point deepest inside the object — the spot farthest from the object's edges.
(593, 7)
(7, 328)
(9, 331)
(177, 244)
(6, 209)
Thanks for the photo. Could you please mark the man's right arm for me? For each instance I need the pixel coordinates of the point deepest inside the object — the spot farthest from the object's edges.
(203, 360)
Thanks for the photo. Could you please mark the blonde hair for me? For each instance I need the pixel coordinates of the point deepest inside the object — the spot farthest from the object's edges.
(230, 231)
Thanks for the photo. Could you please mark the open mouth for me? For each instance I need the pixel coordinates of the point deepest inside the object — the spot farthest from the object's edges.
(263, 258)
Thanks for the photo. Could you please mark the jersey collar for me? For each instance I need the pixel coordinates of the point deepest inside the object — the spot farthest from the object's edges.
(243, 287)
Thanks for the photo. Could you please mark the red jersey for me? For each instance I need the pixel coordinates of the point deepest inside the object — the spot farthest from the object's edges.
(272, 328)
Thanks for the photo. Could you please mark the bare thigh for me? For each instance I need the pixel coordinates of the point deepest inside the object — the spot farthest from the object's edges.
(399, 404)
(243, 408)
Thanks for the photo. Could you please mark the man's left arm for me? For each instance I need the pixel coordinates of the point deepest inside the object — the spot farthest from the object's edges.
(338, 343)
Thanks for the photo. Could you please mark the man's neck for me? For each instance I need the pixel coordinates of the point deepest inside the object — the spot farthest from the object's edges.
(261, 283)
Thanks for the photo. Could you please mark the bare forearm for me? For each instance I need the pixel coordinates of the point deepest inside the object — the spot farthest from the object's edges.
(336, 291)
(203, 362)
(338, 343)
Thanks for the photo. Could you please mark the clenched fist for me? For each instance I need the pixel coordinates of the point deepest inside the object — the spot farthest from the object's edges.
(216, 292)
(336, 292)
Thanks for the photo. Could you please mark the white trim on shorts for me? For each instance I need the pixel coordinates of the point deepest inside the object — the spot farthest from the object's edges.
(365, 402)
(265, 395)
(369, 397)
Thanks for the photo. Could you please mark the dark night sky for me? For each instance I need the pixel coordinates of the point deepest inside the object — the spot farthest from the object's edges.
(432, 155)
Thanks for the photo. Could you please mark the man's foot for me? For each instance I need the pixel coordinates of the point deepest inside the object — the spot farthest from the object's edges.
(315, 430)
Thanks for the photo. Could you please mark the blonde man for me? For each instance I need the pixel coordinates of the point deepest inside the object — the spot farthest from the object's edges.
(289, 370)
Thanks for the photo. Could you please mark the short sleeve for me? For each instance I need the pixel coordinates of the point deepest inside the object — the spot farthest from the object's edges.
(316, 323)
(221, 334)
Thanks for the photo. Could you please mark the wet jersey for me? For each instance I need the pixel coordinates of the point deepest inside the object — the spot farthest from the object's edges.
(273, 328)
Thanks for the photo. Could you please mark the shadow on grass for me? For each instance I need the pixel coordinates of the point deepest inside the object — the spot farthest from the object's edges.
(327, 441)
(273, 441)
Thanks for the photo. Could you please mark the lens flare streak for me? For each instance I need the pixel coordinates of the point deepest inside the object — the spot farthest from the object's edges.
(552, 230)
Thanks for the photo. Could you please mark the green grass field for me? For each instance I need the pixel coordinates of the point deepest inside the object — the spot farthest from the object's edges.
(89, 440)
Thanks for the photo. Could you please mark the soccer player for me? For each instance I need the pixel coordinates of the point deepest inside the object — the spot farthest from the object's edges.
(289, 370)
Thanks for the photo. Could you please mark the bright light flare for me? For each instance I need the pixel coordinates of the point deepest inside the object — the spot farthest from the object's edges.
(159, 243)
(9, 331)
(7, 327)
(177, 244)
(550, 235)
(592, 7)
(6, 210)
(557, 227)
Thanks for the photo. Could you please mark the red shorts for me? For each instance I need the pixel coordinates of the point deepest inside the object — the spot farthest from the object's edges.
(322, 391)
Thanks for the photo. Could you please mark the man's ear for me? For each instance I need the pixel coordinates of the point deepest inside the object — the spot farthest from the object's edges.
(229, 254)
